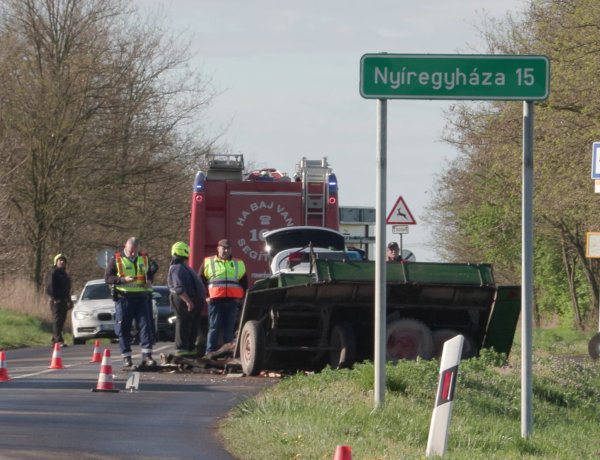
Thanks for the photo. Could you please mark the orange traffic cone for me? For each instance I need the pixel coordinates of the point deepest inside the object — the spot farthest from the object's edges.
(343, 453)
(105, 379)
(3, 370)
(56, 362)
(96, 355)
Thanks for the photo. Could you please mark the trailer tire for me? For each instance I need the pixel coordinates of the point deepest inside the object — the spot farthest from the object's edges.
(252, 347)
(594, 346)
(408, 339)
(440, 336)
(343, 346)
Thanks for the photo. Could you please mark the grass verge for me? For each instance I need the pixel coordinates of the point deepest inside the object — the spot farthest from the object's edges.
(305, 417)
(22, 330)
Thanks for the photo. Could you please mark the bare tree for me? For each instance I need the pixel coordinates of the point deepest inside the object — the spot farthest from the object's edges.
(482, 201)
(96, 112)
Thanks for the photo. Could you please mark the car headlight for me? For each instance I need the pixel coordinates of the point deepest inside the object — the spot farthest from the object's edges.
(82, 314)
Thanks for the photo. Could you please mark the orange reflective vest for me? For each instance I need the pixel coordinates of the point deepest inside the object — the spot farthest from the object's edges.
(224, 277)
(137, 269)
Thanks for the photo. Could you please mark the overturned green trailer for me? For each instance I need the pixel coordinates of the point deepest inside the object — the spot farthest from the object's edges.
(298, 321)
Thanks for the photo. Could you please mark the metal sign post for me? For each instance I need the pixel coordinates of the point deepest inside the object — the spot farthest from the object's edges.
(380, 246)
(401, 230)
(527, 272)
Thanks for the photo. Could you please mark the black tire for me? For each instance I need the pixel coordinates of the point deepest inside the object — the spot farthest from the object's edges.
(252, 348)
(440, 336)
(77, 341)
(594, 346)
(408, 339)
(343, 343)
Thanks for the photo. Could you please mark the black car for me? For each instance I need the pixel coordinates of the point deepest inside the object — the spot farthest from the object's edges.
(166, 329)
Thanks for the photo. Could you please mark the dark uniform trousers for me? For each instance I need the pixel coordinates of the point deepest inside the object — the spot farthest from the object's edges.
(59, 309)
(188, 323)
(127, 309)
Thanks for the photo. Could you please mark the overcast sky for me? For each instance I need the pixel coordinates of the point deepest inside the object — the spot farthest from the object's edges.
(288, 73)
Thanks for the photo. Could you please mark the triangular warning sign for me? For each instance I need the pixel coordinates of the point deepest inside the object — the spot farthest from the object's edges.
(400, 214)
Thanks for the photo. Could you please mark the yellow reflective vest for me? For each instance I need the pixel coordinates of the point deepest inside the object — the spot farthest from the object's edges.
(137, 269)
(224, 277)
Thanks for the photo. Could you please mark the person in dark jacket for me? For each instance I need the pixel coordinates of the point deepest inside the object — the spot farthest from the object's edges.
(58, 287)
(187, 294)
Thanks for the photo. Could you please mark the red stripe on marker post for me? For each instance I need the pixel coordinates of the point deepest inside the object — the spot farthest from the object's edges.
(447, 385)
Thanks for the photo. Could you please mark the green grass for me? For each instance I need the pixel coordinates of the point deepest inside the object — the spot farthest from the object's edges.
(305, 417)
(561, 341)
(22, 330)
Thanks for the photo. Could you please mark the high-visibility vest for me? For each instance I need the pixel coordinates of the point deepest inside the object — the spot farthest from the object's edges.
(137, 269)
(224, 277)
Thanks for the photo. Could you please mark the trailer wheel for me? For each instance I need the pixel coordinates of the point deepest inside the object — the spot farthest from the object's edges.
(441, 335)
(594, 346)
(408, 339)
(252, 347)
(343, 346)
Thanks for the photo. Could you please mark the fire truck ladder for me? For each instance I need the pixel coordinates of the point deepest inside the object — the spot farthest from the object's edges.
(315, 177)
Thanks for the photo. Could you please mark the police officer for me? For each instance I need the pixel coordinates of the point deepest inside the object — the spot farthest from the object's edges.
(227, 283)
(187, 294)
(130, 274)
(58, 287)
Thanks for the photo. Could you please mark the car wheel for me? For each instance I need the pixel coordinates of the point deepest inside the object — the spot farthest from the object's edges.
(342, 342)
(252, 348)
(78, 341)
(408, 339)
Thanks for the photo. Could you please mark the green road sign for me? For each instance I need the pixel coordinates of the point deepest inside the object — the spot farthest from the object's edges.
(454, 76)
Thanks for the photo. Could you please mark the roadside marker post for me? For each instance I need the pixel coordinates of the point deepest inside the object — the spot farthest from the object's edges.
(437, 442)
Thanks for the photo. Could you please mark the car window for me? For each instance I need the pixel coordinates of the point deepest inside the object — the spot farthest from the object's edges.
(354, 256)
(161, 296)
(96, 292)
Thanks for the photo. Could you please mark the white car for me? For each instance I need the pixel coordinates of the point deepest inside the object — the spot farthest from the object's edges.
(93, 316)
(291, 248)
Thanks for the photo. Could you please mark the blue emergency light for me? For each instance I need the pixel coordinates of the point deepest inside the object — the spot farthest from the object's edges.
(199, 182)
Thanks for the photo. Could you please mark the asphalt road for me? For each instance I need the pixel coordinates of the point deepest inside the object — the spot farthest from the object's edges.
(53, 414)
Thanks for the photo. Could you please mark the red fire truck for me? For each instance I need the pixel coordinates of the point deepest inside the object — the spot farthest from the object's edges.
(228, 204)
